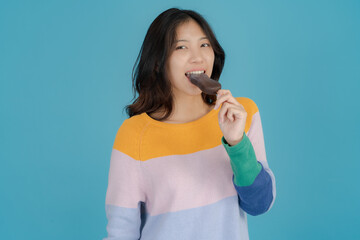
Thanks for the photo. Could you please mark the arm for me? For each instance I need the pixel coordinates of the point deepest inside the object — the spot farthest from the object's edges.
(124, 197)
(253, 179)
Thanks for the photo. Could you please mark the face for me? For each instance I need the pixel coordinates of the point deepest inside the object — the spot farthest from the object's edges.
(191, 52)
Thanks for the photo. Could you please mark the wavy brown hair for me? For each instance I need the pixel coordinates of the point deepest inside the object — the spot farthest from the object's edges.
(149, 73)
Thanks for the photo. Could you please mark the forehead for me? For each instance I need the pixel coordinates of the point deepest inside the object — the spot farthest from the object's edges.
(189, 30)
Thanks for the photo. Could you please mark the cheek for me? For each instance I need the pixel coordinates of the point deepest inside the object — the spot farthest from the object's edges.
(174, 70)
(210, 56)
(177, 64)
(211, 59)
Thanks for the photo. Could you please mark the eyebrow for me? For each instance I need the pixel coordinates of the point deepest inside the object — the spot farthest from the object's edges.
(183, 40)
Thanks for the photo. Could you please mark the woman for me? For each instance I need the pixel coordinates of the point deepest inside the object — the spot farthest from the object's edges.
(186, 165)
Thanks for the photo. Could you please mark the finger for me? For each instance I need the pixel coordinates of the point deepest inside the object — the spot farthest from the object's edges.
(227, 98)
(233, 113)
(223, 91)
(223, 96)
(227, 112)
(230, 115)
(223, 111)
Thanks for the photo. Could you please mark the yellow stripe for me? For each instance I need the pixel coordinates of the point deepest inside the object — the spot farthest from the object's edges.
(139, 139)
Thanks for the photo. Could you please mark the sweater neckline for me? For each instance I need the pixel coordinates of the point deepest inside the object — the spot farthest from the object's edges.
(196, 122)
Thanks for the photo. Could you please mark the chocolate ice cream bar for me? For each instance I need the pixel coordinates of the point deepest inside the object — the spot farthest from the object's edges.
(206, 84)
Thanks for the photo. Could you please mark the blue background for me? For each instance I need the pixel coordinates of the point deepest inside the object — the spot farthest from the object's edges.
(65, 70)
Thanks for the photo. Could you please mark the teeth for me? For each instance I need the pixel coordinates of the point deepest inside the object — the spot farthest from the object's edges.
(195, 72)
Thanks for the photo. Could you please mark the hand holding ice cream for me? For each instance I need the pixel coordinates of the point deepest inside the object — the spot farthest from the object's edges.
(232, 117)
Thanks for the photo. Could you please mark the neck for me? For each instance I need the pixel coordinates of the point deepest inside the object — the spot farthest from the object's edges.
(187, 110)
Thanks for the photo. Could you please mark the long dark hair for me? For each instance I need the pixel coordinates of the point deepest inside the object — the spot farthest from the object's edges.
(148, 75)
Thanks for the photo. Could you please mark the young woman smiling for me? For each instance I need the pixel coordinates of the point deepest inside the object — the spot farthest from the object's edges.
(185, 164)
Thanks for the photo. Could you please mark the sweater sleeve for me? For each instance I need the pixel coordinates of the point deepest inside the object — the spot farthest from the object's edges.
(253, 179)
(125, 198)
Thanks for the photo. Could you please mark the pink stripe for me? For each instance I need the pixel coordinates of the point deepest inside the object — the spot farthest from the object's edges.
(256, 136)
(180, 182)
(124, 185)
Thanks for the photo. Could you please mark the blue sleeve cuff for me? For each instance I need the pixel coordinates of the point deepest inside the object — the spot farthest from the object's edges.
(256, 198)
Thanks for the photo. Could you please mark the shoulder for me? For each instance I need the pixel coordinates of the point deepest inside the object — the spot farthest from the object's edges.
(250, 106)
(252, 111)
(127, 138)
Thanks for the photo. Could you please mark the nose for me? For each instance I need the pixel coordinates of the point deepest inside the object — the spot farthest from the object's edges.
(196, 56)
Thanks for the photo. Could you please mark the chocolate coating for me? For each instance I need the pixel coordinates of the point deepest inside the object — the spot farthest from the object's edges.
(206, 84)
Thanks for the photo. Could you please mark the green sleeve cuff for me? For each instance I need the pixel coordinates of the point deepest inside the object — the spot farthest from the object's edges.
(243, 161)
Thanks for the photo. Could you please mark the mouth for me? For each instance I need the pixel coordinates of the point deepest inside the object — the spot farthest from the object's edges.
(187, 74)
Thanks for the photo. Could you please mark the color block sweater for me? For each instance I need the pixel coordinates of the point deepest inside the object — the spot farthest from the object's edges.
(183, 181)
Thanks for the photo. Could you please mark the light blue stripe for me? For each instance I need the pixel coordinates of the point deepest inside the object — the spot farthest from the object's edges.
(218, 221)
(123, 223)
(221, 220)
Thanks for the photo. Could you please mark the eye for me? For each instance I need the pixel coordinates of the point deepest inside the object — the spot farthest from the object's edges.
(205, 44)
(180, 47)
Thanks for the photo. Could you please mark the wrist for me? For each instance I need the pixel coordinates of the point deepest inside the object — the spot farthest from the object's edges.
(233, 143)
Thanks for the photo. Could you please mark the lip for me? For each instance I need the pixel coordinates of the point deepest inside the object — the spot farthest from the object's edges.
(195, 69)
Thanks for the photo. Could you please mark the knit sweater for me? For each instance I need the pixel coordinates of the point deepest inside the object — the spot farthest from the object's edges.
(184, 181)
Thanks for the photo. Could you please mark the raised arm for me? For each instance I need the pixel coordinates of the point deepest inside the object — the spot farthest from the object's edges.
(253, 179)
